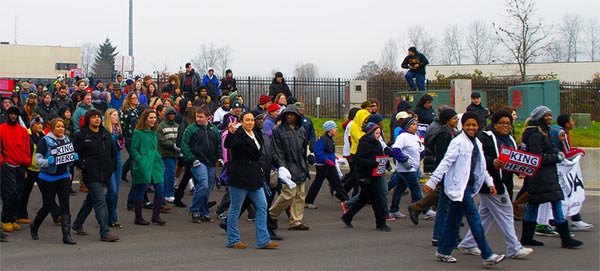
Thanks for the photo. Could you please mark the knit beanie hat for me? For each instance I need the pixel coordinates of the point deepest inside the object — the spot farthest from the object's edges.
(446, 115)
(264, 99)
(369, 128)
(407, 122)
(273, 107)
(103, 96)
(469, 115)
(170, 110)
(236, 104)
(539, 112)
(328, 125)
(375, 118)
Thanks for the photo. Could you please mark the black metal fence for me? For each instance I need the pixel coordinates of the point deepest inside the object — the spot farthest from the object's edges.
(333, 93)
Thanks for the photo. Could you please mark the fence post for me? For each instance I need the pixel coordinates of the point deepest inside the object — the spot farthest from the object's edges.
(294, 87)
(340, 102)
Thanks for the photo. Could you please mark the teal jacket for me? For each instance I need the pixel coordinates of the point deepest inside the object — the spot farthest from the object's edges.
(202, 143)
(147, 164)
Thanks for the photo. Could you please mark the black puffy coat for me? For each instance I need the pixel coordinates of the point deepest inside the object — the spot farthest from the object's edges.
(543, 186)
(503, 180)
(97, 154)
(246, 167)
(368, 149)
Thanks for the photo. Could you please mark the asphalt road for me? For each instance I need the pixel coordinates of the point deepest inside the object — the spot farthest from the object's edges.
(182, 245)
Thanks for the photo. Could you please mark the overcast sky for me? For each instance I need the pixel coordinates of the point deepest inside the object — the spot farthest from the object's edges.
(338, 36)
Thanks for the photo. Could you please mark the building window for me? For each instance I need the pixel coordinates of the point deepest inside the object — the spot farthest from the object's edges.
(65, 66)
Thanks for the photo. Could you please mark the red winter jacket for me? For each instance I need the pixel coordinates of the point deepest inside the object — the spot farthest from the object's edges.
(16, 149)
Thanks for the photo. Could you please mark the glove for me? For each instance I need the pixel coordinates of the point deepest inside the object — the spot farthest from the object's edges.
(177, 149)
(311, 159)
(196, 163)
(406, 165)
(387, 151)
(76, 156)
(329, 163)
(50, 160)
(221, 162)
(560, 156)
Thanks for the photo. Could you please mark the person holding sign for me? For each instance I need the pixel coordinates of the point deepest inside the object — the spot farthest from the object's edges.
(497, 207)
(54, 178)
(543, 186)
(148, 167)
(367, 165)
(464, 171)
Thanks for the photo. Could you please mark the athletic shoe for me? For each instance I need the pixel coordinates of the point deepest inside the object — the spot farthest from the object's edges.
(492, 260)
(444, 258)
(206, 218)
(196, 218)
(311, 206)
(170, 199)
(430, 215)
(581, 226)
(398, 215)
(385, 228)
(545, 230)
(221, 216)
(251, 219)
(522, 253)
(475, 251)
(390, 218)
(344, 207)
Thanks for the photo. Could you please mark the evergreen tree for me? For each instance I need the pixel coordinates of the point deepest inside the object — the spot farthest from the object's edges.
(104, 65)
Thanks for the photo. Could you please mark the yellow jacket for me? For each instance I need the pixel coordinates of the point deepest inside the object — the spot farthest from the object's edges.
(356, 129)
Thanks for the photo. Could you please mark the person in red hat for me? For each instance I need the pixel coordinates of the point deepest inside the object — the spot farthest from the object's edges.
(271, 119)
(263, 104)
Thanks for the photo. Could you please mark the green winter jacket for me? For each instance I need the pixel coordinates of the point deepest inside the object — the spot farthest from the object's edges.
(167, 135)
(147, 164)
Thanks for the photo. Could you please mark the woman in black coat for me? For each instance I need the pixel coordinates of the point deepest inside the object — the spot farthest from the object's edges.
(543, 186)
(369, 148)
(424, 109)
(279, 86)
(245, 179)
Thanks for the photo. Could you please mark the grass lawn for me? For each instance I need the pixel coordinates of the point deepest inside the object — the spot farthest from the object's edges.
(580, 137)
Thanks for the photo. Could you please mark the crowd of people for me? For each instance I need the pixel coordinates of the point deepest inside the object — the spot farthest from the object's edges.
(199, 128)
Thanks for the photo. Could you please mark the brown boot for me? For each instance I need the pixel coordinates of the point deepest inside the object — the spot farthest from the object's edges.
(156, 212)
(139, 219)
(518, 206)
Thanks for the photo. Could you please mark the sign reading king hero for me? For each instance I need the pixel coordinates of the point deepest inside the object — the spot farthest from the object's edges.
(520, 161)
(63, 153)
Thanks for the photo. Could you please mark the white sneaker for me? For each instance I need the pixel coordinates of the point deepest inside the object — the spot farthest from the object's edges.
(430, 215)
(398, 215)
(444, 258)
(522, 253)
(170, 199)
(492, 260)
(470, 250)
(581, 226)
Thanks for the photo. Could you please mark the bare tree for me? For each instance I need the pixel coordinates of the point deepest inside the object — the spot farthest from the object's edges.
(418, 37)
(555, 51)
(88, 56)
(593, 38)
(368, 70)
(389, 55)
(480, 42)
(306, 70)
(224, 60)
(570, 30)
(206, 58)
(452, 52)
(524, 35)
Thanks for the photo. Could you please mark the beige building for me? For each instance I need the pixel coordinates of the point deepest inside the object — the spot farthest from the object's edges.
(568, 72)
(37, 62)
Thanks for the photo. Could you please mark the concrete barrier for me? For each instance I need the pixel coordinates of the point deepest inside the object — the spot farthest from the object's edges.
(590, 167)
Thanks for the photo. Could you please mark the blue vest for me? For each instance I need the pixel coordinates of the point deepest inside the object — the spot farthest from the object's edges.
(50, 143)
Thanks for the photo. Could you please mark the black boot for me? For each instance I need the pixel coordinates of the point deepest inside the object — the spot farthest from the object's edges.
(274, 236)
(527, 234)
(223, 224)
(65, 225)
(156, 212)
(34, 226)
(139, 219)
(565, 236)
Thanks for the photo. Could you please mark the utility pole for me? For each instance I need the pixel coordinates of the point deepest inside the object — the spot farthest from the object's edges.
(130, 27)
(16, 29)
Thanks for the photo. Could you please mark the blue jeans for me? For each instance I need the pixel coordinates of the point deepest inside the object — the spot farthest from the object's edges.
(404, 180)
(532, 212)
(140, 189)
(382, 189)
(169, 176)
(204, 177)
(456, 212)
(420, 78)
(257, 196)
(441, 214)
(112, 194)
(95, 198)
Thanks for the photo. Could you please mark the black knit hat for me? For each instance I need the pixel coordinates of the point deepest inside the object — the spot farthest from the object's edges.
(446, 115)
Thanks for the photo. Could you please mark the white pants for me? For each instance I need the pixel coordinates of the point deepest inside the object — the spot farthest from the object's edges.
(496, 208)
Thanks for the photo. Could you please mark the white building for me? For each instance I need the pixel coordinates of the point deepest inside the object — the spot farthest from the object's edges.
(37, 62)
